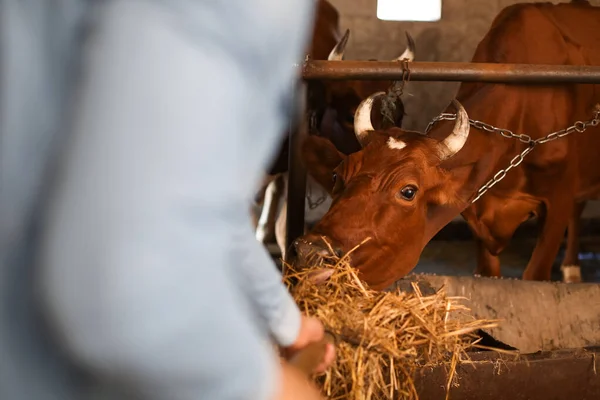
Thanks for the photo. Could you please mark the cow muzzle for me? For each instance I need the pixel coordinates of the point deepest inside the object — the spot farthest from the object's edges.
(315, 252)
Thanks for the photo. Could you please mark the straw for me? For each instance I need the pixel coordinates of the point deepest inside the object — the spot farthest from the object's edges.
(385, 337)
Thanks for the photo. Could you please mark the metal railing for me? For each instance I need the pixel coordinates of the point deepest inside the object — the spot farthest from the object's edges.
(416, 71)
(450, 72)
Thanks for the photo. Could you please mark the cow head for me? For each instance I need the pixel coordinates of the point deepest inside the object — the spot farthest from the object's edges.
(336, 101)
(393, 191)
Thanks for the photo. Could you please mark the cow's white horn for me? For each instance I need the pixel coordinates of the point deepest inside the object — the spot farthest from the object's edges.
(362, 118)
(457, 139)
(409, 53)
(337, 54)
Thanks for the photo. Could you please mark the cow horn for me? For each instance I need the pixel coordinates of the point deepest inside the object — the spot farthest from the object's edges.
(362, 118)
(337, 54)
(455, 140)
(409, 53)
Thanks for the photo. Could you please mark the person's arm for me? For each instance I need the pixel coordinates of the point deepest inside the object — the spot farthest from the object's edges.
(262, 282)
(138, 273)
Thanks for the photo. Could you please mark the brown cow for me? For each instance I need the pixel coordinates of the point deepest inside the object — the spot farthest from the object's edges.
(403, 187)
(334, 103)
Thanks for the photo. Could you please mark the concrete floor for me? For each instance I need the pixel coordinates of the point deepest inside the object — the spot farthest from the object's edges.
(458, 258)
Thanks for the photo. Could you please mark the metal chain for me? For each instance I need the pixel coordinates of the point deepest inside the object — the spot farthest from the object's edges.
(314, 204)
(394, 92)
(579, 126)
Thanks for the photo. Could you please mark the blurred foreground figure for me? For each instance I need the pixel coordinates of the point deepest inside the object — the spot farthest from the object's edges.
(132, 137)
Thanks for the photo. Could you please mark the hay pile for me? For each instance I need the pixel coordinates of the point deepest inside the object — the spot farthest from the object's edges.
(383, 337)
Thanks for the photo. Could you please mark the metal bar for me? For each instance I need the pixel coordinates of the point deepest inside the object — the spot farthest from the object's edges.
(296, 190)
(450, 72)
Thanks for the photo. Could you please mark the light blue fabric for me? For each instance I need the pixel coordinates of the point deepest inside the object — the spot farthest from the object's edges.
(144, 263)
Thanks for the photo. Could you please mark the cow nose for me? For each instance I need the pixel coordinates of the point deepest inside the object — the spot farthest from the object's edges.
(309, 252)
(312, 249)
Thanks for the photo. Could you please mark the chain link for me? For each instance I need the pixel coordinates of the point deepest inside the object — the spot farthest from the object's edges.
(314, 204)
(579, 126)
(394, 92)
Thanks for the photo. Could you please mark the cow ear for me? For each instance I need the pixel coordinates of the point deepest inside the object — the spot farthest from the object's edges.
(320, 158)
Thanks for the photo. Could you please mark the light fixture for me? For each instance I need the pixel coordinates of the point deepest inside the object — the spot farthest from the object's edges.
(409, 10)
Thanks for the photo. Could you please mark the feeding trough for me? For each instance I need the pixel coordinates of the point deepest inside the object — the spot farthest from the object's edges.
(552, 375)
(442, 337)
(554, 326)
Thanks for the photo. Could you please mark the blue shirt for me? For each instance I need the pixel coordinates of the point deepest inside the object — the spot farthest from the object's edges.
(132, 136)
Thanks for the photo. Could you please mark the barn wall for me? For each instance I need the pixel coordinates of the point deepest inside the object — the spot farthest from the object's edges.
(454, 38)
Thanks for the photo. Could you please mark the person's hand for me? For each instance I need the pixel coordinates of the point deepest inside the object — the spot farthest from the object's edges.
(311, 331)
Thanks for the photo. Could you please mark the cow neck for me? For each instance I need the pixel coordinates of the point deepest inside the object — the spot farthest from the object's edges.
(470, 169)
(484, 153)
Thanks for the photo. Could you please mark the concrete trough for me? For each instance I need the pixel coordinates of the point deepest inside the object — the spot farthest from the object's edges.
(554, 326)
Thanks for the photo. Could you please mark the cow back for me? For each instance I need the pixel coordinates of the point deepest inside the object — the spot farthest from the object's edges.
(542, 33)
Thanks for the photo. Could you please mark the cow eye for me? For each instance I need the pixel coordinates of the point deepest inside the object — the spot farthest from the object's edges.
(334, 177)
(349, 119)
(408, 192)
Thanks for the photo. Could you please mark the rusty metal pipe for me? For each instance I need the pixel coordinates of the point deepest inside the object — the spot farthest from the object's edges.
(450, 72)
